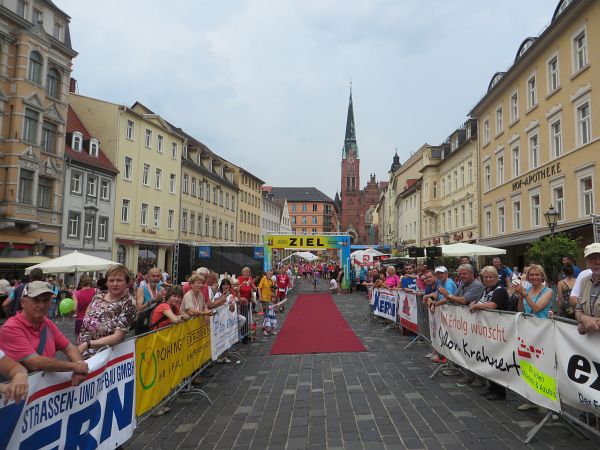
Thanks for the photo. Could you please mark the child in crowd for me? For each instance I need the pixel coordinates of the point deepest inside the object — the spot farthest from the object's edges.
(270, 318)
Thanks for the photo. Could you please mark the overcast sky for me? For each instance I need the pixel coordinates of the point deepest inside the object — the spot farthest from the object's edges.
(265, 83)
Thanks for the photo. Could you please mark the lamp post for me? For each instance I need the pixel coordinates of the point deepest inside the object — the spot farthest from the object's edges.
(552, 217)
(446, 238)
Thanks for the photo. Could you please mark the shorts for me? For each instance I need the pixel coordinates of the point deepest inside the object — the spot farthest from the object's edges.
(281, 294)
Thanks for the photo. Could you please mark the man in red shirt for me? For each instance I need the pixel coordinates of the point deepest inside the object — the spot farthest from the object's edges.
(283, 282)
(32, 339)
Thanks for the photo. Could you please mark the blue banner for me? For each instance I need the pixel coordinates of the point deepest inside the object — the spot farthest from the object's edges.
(204, 251)
(259, 252)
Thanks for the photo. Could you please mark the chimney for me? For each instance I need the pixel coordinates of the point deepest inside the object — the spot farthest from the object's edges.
(72, 85)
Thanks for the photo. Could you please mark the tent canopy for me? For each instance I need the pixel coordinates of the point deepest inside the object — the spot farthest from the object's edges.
(304, 255)
(464, 249)
(73, 262)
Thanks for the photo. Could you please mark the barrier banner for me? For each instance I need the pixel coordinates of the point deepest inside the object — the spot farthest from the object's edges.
(514, 351)
(99, 413)
(166, 357)
(370, 295)
(385, 304)
(407, 310)
(578, 368)
(224, 330)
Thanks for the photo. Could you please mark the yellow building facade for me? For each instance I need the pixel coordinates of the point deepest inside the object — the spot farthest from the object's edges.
(147, 152)
(538, 138)
(35, 66)
(249, 211)
(450, 199)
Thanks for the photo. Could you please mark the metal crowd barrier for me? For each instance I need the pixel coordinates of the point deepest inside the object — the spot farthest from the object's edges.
(423, 333)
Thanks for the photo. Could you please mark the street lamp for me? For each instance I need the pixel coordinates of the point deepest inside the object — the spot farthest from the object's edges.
(446, 237)
(552, 217)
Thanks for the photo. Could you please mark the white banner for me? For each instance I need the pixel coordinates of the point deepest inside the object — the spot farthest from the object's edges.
(578, 368)
(370, 295)
(385, 304)
(514, 351)
(407, 310)
(99, 413)
(223, 329)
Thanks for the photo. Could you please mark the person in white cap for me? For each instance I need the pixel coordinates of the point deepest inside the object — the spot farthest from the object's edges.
(32, 339)
(587, 310)
(446, 286)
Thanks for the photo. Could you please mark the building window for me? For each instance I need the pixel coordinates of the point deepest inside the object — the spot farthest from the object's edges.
(102, 228)
(304, 209)
(105, 190)
(144, 214)
(220, 197)
(92, 187)
(170, 217)
(52, 83)
(580, 51)
(293, 220)
(129, 129)
(553, 75)
(226, 230)
(535, 210)
(469, 172)
(148, 138)
(499, 121)
(192, 223)
(185, 184)
(587, 196)
(76, 182)
(159, 143)
(121, 254)
(534, 152)
(516, 162)
(232, 203)
(232, 233)
(220, 229)
(462, 176)
(30, 126)
(156, 217)
(435, 189)
(303, 220)
(517, 214)
(194, 186)
(184, 221)
(57, 32)
(531, 93)
(501, 220)
(470, 213)
(215, 194)
(214, 228)
(174, 150)
(226, 201)
(77, 141)
(487, 177)
(172, 183)
(146, 175)
(584, 123)
(49, 133)
(89, 227)
(500, 170)
(315, 207)
(314, 220)
(556, 139)
(463, 218)
(128, 168)
(207, 226)
(199, 227)
(514, 107)
(37, 16)
(488, 222)
(558, 198)
(486, 131)
(36, 64)
(74, 219)
(93, 148)
(158, 179)
(207, 198)
(125, 210)
(44, 193)
(22, 8)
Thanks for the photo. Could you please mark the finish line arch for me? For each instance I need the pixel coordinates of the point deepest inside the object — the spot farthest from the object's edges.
(310, 242)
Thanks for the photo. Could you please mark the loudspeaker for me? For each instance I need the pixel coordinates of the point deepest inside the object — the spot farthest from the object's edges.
(416, 252)
(432, 252)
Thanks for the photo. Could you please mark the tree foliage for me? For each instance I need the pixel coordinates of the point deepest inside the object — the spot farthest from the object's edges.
(549, 251)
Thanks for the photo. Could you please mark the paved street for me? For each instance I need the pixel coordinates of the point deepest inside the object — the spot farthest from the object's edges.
(380, 399)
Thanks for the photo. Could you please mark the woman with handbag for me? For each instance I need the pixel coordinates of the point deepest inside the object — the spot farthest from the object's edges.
(564, 292)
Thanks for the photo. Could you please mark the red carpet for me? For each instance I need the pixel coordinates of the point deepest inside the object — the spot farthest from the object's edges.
(314, 325)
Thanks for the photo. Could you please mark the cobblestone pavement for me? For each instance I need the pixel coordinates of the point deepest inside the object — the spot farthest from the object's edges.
(379, 399)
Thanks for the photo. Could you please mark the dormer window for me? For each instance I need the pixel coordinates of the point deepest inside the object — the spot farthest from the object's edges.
(210, 165)
(77, 141)
(94, 147)
(185, 151)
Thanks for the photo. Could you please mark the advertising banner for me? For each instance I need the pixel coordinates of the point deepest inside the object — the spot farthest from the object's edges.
(99, 413)
(224, 330)
(165, 358)
(385, 304)
(204, 251)
(578, 368)
(514, 351)
(370, 296)
(407, 310)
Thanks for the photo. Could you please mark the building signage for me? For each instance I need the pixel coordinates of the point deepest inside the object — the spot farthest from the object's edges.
(536, 176)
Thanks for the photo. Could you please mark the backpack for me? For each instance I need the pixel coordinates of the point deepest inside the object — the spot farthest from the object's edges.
(142, 322)
(15, 305)
(565, 306)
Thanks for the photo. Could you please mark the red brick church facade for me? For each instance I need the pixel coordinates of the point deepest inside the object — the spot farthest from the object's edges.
(356, 205)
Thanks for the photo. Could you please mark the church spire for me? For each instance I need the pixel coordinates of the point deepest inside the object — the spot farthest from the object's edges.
(350, 138)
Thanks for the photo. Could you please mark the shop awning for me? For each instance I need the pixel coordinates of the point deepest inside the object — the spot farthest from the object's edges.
(27, 260)
(512, 240)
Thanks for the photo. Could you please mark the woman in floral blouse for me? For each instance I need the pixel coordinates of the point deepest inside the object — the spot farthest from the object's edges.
(109, 315)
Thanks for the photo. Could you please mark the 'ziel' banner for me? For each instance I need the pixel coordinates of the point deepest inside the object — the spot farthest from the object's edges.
(99, 413)
(407, 310)
(385, 304)
(165, 358)
(224, 330)
(514, 351)
(578, 368)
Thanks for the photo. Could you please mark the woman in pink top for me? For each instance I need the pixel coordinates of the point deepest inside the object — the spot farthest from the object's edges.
(82, 298)
(392, 281)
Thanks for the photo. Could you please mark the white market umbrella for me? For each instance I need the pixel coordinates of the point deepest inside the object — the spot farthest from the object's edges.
(74, 262)
(304, 255)
(464, 249)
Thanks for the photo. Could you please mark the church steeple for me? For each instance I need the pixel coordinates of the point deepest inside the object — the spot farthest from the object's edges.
(350, 138)
(396, 162)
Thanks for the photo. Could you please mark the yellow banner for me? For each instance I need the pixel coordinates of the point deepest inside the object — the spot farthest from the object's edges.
(165, 358)
(303, 242)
